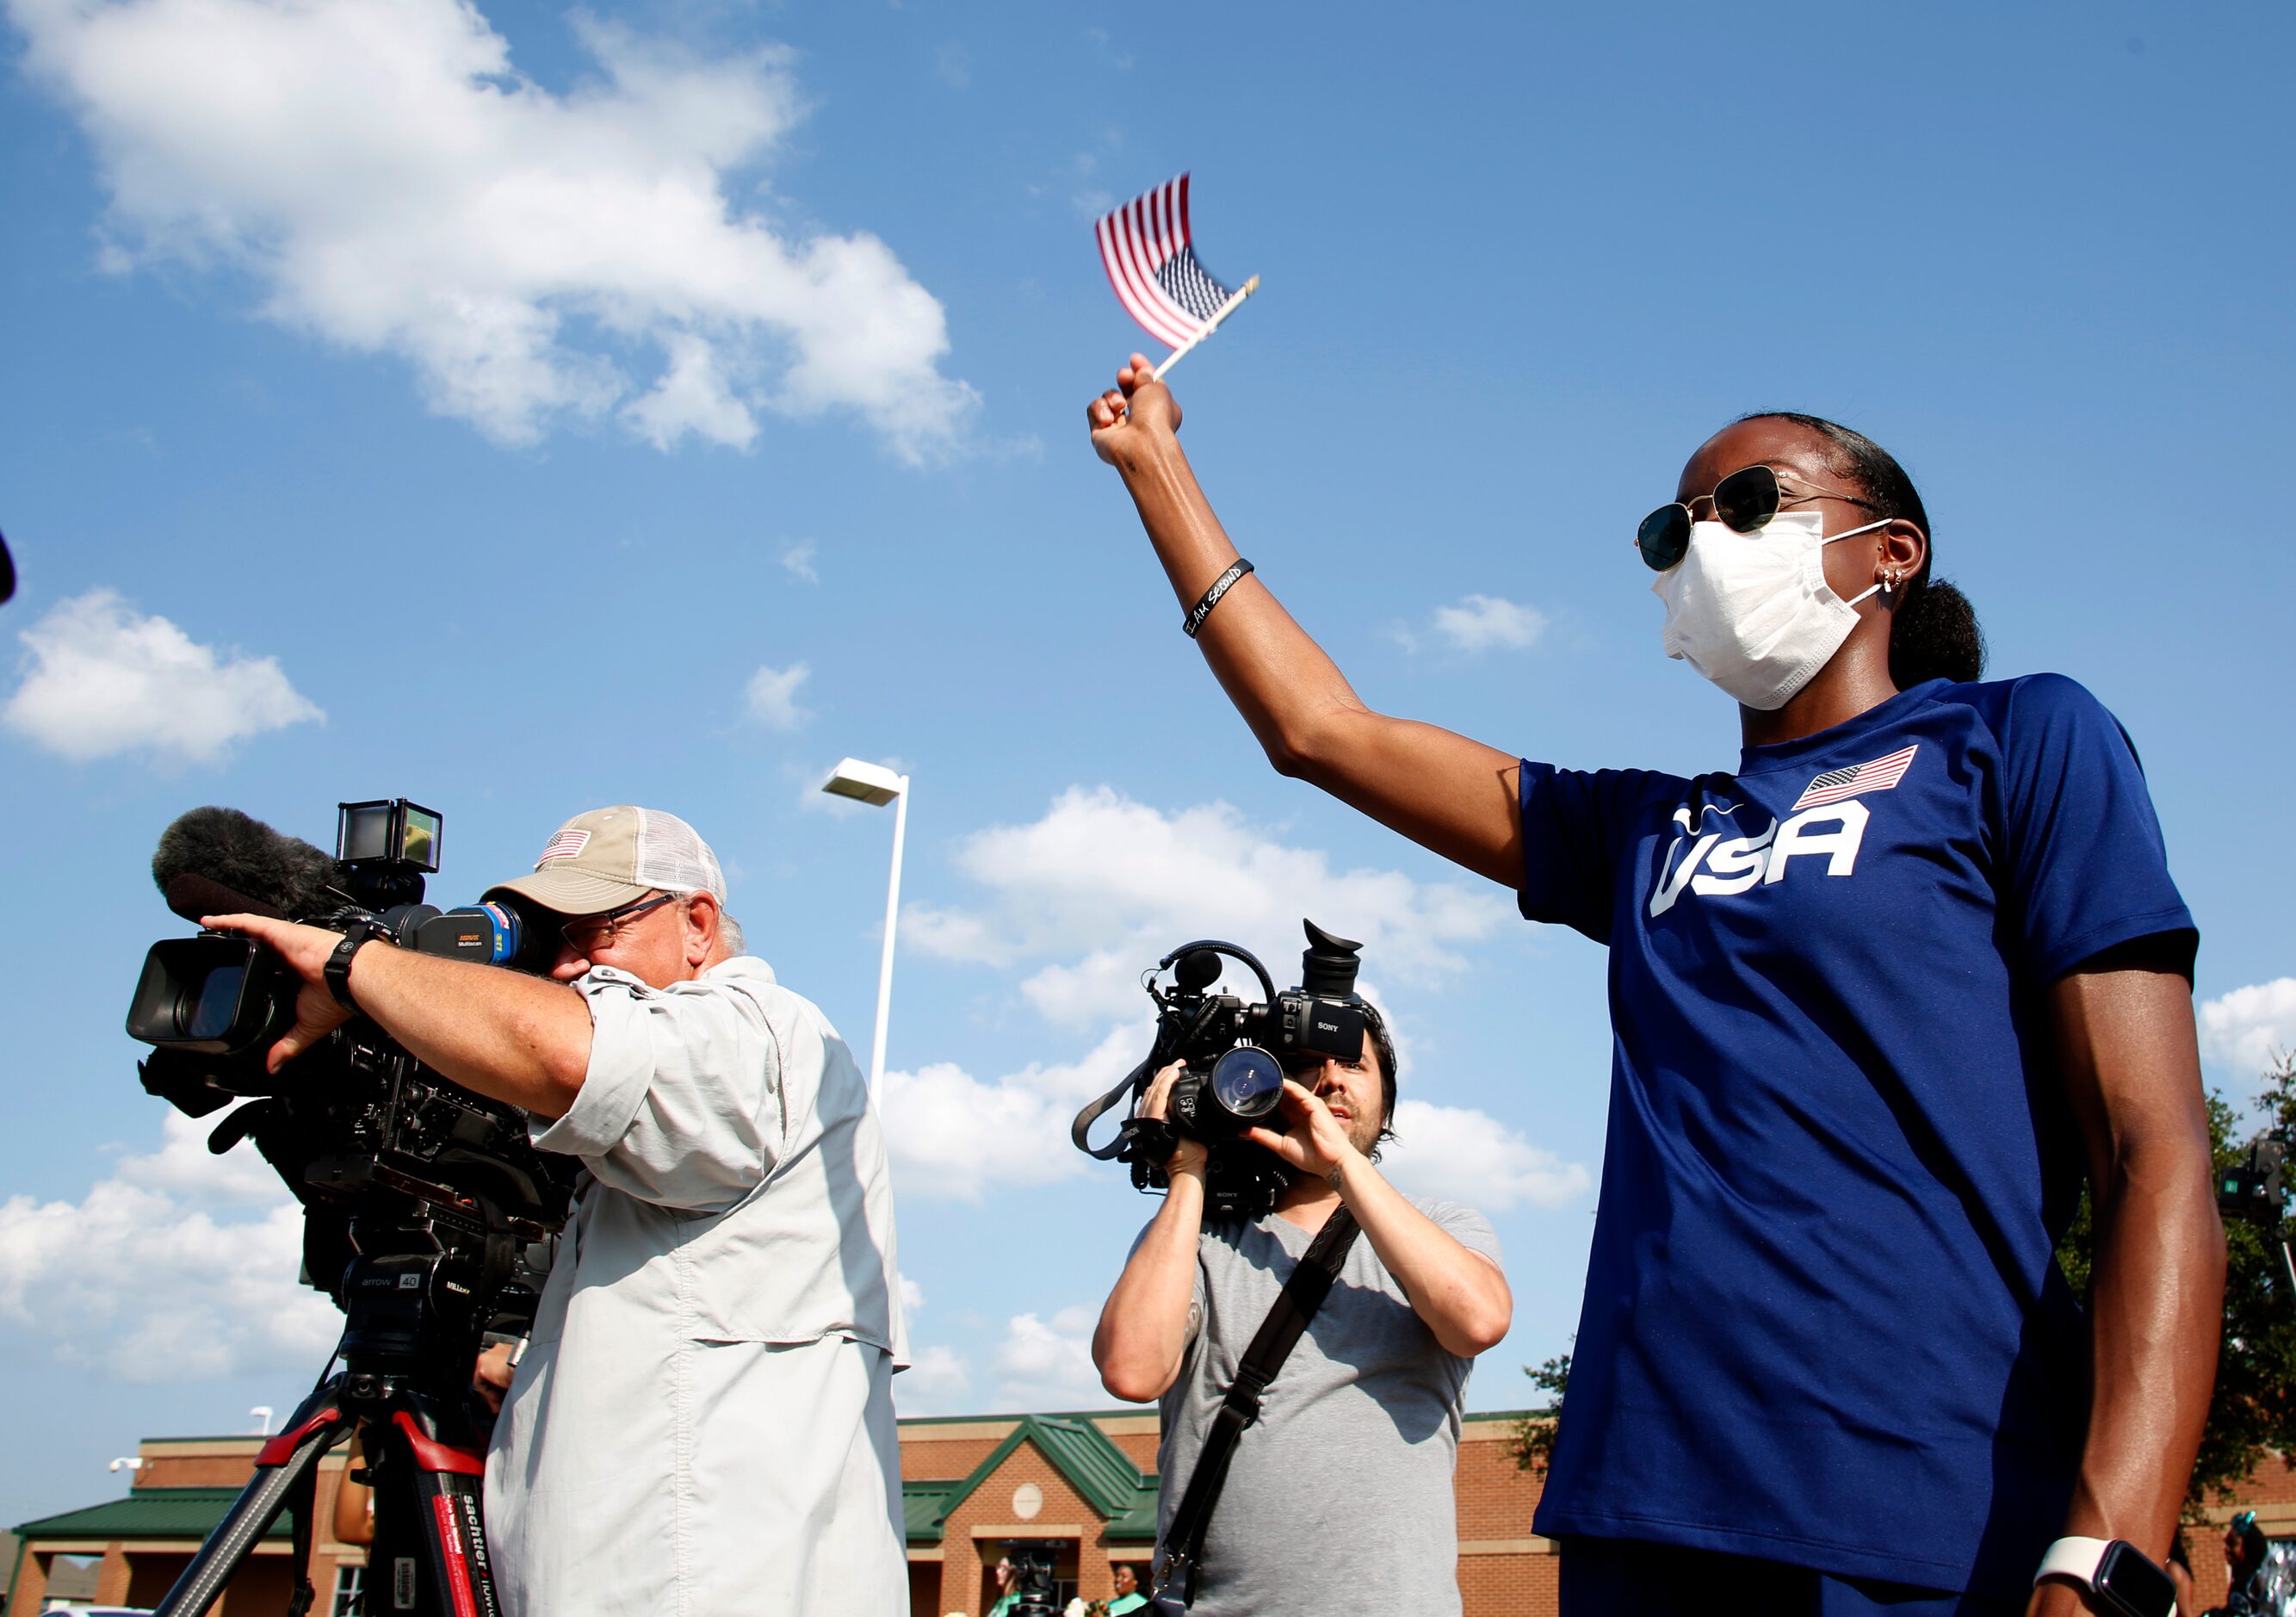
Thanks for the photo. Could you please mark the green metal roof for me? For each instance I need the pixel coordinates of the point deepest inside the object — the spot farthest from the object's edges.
(147, 1513)
(923, 1507)
(1086, 1457)
(1079, 1450)
(1137, 1524)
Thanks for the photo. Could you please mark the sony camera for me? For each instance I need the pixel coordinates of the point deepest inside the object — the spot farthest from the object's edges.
(1236, 1054)
(392, 1162)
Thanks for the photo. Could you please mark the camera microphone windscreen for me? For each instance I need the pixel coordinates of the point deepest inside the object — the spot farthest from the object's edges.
(194, 897)
(215, 861)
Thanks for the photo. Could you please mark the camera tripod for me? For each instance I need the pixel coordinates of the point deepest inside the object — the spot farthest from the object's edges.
(402, 1387)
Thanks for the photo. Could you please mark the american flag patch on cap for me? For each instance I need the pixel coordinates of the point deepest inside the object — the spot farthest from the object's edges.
(1879, 775)
(565, 845)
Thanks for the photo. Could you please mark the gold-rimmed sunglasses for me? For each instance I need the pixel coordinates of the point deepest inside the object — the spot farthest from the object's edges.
(1743, 501)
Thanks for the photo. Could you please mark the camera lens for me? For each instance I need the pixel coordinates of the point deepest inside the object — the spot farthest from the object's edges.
(206, 1011)
(1246, 1082)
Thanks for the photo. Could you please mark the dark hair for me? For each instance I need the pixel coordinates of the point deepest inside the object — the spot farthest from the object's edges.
(1933, 633)
(1375, 1025)
(2254, 1546)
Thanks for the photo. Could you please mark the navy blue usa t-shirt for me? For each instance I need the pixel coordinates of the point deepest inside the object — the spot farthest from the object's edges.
(1824, 1321)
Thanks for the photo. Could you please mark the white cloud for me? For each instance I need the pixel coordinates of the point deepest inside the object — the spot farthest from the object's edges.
(772, 696)
(102, 679)
(952, 1136)
(1463, 1155)
(798, 560)
(1047, 1364)
(1482, 623)
(2251, 1028)
(1105, 885)
(393, 184)
(935, 1382)
(180, 1266)
(1085, 898)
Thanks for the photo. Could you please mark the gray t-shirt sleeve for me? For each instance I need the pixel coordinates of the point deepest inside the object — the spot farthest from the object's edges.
(1463, 1225)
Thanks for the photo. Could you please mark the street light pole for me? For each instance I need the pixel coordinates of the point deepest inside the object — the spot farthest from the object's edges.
(892, 914)
(875, 785)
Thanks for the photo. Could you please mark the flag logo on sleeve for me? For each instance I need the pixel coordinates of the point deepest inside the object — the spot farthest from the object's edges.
(1835, 784)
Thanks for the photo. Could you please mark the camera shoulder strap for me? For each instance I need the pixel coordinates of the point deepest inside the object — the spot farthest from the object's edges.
(1303, 1293)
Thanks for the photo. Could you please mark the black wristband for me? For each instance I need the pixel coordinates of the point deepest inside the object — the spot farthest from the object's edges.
(338, 972)
(1194, 620)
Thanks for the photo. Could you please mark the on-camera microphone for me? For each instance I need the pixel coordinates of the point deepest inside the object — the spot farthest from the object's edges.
(219, 861)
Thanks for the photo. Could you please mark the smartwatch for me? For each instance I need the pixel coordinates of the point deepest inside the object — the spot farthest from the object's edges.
(2116, 1571)
(338, 972)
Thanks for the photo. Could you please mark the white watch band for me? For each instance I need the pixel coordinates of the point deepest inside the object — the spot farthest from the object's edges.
(2078, 1558)
(2073, 1558)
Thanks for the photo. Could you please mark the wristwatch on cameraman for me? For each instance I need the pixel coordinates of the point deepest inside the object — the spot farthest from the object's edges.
(339, 964)
(2124, 1581)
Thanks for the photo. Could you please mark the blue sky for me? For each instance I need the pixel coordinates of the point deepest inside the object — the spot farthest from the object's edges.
(502, 408)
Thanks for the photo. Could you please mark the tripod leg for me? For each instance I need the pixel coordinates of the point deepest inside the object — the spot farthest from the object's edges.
(287, 1463)
(431, 1547)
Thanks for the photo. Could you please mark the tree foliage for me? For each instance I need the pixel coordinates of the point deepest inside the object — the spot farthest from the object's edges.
(2252, 1412)
(1533, 1443)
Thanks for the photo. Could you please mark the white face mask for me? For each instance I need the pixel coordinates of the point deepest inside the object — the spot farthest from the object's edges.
(1752, 612)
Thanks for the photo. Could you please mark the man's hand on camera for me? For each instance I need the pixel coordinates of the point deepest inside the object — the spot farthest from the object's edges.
(1316, 1141)
(490, 1376)
(1188, 1156)
(1137, 411)
(305, 950)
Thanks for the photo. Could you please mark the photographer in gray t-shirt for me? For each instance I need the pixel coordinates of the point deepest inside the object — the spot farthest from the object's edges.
(1339, 1497)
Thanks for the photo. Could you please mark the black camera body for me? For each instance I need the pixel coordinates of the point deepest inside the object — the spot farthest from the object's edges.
(1036, 1588)
(397, 1168)
(2256, 1189)
(1234, 1053)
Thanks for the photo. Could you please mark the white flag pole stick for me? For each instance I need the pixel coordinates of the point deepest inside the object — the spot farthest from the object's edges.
(1211, 325)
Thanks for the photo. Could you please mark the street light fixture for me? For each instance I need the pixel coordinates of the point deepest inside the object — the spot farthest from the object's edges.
(876, 785)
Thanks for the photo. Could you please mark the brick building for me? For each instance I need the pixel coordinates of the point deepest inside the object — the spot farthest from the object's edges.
(140, 1544)
(1081, 1486)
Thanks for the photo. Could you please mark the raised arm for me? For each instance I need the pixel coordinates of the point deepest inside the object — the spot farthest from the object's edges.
(2123, 1027)
(1460, 1295)
(1145, 1327)
(1448, 793)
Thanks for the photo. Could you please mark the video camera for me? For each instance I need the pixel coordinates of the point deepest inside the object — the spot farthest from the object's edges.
(1236, 1054)
(390, 1159)
(424, 1205)
(2256, 1188)
(1035, 1589)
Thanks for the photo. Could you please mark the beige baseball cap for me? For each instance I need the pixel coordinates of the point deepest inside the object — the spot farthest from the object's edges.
(608, 857)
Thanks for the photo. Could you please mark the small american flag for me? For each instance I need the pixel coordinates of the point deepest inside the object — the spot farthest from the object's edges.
(1879, 775)
(1144, 247)
(565, 845)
